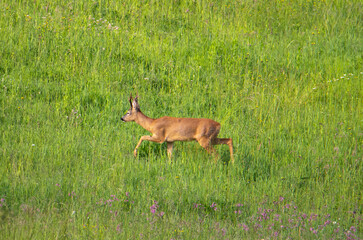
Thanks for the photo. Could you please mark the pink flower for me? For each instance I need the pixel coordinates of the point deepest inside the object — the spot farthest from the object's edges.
(327, 222)
(154, 207)
(245, 227)
(214, 206)
(258, 225)
(287, 206)
(196, 205)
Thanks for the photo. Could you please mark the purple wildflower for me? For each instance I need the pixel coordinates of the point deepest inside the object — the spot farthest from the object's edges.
(72, 194)
(245, 227)
(153, 209)
(350, 235)
(327, 222)
(287, 206)
(214, 206)
(264, 214)
(312, 217)
(257, 226)
(114, 198)
(196, 205)
(118, 228)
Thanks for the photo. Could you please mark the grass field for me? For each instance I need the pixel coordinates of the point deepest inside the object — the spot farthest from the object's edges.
(284, 78)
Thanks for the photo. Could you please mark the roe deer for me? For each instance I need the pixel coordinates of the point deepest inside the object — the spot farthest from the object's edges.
(171, 129)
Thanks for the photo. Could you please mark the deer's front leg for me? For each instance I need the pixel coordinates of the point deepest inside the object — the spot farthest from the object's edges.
(147, 138)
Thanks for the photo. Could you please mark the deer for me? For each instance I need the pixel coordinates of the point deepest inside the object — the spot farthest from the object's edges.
(171, 129)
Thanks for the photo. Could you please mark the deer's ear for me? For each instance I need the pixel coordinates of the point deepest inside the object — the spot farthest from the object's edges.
(135, 103)
(130, 99)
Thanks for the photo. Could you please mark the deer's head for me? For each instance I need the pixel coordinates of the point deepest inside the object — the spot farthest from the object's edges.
(132, 112)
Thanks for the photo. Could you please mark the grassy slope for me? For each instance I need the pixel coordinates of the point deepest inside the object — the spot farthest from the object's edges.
(283, 78)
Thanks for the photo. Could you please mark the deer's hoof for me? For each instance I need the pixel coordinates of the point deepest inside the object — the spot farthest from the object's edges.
(135, 153)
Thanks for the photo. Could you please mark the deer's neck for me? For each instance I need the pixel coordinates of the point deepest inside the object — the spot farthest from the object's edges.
(144, 121)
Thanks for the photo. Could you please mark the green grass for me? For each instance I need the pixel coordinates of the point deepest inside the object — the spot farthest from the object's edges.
(284, 78)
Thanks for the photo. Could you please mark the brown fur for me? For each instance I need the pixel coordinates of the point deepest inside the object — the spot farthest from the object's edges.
(171, 129)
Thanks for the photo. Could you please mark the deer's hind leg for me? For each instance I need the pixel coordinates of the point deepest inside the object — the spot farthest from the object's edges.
(170, 148)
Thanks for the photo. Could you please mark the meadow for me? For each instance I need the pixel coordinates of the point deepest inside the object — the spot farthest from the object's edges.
(284, 78)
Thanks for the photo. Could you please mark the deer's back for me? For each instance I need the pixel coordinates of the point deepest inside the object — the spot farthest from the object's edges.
(185, 129)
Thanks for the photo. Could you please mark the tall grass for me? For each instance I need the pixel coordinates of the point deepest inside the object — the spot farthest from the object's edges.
(282, 77)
